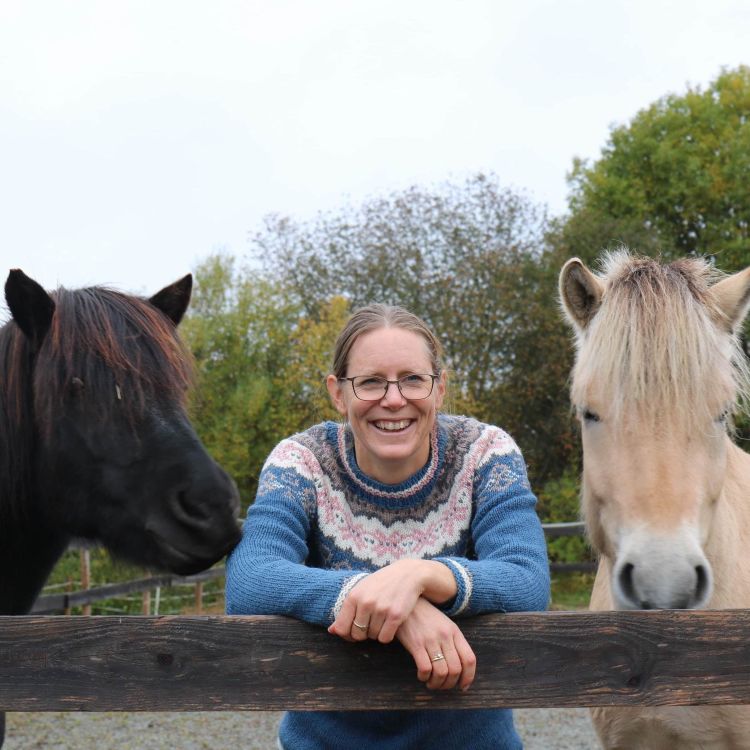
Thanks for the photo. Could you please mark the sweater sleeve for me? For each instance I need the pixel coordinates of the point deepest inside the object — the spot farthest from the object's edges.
(511, 570)
(266, 572)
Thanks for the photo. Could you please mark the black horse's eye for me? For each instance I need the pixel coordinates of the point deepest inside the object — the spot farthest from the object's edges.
(77, 385)
(589, 416)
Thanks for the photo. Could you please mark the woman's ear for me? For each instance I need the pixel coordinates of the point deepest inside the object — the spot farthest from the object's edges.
(334, 391)
(440, 385)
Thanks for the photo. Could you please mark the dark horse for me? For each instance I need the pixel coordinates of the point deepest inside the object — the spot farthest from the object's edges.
(94, 439)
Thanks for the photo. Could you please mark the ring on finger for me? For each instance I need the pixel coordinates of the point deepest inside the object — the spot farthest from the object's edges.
(357, 625)
(437, 657)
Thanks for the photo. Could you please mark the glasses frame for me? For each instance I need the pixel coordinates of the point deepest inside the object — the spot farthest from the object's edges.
(397, 383)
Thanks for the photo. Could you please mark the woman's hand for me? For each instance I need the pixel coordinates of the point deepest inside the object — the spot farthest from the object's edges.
(378, 605)
(427, 634)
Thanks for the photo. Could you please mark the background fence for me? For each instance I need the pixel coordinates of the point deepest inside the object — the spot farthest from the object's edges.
(55, 601)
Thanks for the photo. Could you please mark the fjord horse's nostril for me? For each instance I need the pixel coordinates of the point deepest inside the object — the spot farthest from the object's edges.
(626, 582)
(701, 582)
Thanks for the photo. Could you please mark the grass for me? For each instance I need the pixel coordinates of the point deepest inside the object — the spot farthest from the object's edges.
(105, 569)
(571, 590)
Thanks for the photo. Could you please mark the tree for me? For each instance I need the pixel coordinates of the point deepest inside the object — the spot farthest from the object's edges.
(676, 178)
(261, 364)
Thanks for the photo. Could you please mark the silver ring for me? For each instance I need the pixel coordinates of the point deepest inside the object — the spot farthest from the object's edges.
(438, 657)
(361, 627)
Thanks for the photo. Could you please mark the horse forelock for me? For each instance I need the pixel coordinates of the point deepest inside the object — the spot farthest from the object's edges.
(656, 348)
(120, 350)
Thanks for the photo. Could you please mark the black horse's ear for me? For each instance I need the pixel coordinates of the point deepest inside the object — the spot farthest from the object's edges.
(32, 308)
(174, 299)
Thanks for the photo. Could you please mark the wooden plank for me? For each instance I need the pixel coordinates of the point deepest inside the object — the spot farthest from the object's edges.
(269, 663)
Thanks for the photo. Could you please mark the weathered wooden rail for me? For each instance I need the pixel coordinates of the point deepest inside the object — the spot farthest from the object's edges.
(269, 663)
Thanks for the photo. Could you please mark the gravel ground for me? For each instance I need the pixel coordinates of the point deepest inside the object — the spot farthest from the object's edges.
(541, 729)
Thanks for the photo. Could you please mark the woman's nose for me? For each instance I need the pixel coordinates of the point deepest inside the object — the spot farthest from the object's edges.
(392, 395)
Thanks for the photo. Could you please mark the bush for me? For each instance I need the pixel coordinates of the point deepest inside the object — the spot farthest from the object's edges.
(558, 502)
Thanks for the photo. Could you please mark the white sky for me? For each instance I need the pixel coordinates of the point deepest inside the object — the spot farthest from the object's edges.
(138, 137)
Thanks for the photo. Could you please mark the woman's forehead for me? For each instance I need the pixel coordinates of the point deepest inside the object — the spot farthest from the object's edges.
(386, 348)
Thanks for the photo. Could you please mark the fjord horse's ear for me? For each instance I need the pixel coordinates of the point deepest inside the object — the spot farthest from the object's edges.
(580, 293)
(31, 307)
(733, 296)
(174, 299)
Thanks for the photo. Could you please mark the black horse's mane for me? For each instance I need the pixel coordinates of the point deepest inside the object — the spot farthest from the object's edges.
(107, 353)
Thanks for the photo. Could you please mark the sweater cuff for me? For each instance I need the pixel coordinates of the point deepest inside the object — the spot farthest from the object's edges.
(463, 587)
(346, 587)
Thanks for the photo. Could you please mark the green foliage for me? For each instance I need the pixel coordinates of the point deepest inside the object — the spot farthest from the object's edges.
(559, 501)
(676, 178)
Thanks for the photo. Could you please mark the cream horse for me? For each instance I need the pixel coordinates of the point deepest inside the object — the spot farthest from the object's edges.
(666, 493)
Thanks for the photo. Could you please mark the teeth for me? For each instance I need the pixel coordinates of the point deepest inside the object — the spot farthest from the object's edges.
(393, 425)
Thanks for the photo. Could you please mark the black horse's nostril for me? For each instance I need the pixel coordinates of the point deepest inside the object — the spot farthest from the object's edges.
(626, 582)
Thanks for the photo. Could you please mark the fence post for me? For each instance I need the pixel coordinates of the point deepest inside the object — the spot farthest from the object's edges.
(68, 588)
(86, 576)
(199, 597)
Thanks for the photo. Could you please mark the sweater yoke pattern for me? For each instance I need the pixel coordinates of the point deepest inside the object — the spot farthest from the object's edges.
(358, 522)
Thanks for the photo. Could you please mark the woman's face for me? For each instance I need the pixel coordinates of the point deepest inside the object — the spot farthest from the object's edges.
(391, 435)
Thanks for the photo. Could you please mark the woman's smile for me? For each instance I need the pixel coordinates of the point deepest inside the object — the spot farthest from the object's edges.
(393, 425)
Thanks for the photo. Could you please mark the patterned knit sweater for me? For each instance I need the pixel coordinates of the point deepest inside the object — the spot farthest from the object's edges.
(318, 525)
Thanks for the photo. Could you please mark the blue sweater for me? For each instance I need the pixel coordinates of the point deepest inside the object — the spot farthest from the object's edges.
(318, 525)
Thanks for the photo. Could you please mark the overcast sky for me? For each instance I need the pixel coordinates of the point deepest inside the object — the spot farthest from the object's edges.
(138, 137)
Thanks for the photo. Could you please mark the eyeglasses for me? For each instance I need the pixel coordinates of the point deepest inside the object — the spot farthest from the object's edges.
(411, 387)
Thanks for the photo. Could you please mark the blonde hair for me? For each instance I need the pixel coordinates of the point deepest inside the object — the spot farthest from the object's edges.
(375, 316)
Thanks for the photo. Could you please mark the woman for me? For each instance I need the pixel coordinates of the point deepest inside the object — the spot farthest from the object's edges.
(389, 525)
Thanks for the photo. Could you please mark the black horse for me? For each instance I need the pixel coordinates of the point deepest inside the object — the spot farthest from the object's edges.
(94, 439)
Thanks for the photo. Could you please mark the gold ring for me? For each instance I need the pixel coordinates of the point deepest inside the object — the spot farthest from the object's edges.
(357, 625)
(438, 657)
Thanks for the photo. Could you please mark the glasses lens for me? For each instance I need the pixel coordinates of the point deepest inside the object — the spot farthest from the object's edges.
(416, 386)
(368, 388)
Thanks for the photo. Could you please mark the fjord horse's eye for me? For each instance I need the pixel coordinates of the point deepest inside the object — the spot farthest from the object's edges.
(589, 416)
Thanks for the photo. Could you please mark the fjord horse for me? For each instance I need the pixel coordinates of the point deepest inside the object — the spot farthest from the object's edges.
(666, 493)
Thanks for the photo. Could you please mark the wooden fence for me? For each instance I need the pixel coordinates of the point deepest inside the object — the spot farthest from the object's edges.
(267, 663)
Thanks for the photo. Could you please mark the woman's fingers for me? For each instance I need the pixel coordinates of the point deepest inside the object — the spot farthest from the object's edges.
(360, 625)
(452, 661)
(452, 668)
(468, 661)
(424, 665)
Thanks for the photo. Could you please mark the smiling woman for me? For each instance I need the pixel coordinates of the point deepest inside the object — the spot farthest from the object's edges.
(389, 525)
